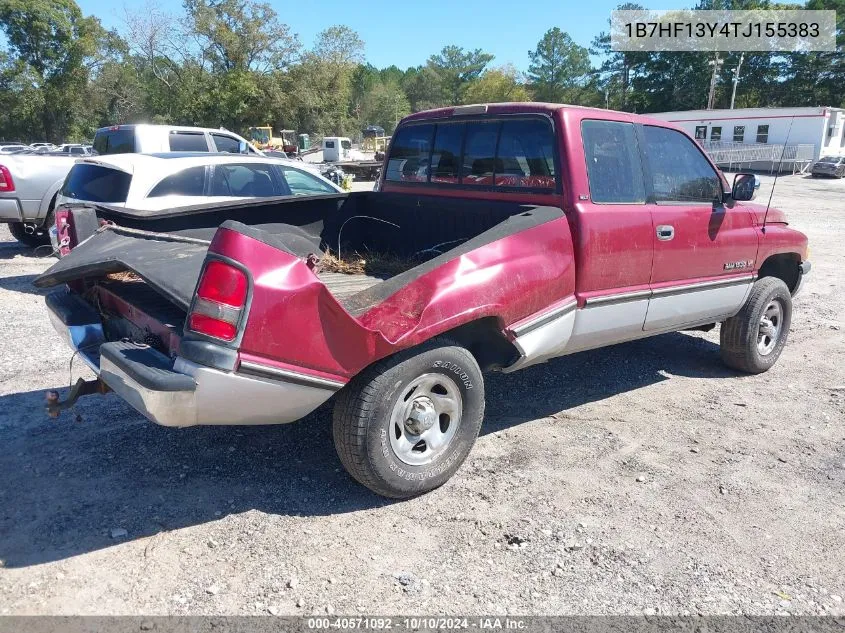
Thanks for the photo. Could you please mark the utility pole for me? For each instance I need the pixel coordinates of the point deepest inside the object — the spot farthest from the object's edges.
(716, 63)
(736, 79)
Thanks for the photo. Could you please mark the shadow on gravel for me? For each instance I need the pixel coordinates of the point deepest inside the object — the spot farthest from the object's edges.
(10, 250)
(22, 283)
(66, 484)
(567, 382)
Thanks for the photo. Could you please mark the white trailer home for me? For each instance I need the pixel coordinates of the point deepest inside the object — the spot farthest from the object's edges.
(755, 137)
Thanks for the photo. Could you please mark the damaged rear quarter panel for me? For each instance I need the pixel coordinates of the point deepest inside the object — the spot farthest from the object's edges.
(295, 321)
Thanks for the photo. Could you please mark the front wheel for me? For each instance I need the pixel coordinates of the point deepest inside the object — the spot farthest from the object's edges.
(406, 424)
(752, 340)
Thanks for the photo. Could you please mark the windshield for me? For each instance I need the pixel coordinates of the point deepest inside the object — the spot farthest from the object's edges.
(830, 159)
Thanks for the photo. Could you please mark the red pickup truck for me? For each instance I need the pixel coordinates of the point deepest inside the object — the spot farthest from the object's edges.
(501, 236)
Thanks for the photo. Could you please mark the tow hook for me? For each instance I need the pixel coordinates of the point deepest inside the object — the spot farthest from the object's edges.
(81, 388)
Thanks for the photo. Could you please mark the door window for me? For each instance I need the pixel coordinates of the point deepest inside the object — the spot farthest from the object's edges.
(188, 182)
(244, 181)
(700, 132)
(188, 142)
(762, 133)
(305, 184)
(226, 143)
(715, 133)
(613, 162)
(679, 171)
(739, 133)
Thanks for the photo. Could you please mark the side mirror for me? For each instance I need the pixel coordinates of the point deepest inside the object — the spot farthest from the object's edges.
(745, 187)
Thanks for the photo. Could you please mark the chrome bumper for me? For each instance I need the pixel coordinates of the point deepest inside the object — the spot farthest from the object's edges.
(180, 392)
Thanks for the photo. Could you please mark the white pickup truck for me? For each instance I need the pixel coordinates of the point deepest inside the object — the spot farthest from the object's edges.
(29, 183)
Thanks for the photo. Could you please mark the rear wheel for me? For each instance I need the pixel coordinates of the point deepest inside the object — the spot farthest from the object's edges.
(405, 425)
(32, 234)
(753, 340)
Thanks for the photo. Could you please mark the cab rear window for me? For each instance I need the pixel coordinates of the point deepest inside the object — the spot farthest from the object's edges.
(114, 141)
(507, 153)
(95, 183)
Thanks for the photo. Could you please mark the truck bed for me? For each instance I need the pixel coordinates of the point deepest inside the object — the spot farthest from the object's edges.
(167, 248)
(343, 286)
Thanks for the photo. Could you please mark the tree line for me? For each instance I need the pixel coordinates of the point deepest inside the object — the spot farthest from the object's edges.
(235, 64)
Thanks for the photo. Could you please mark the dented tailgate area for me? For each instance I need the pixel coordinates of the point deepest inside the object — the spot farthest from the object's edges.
(131, 300)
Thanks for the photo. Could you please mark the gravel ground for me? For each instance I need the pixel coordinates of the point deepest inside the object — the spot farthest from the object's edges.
(642, 478)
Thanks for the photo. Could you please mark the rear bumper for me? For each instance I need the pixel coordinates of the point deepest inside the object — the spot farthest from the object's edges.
(178, 392)
(10, 210)
(17, 210)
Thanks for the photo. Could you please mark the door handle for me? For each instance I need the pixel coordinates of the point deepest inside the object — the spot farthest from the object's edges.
(665, 232)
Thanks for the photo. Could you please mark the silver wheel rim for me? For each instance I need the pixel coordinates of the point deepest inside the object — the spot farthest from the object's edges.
(425, 419)
(771, 324)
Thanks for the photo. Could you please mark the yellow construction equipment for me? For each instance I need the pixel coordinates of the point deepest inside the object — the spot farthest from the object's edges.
(263, 138)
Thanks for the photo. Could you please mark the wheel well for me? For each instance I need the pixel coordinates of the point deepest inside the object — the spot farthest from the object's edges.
(784, 266)
(485, 340)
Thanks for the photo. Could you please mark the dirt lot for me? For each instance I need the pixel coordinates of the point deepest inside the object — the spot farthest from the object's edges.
(741, 507)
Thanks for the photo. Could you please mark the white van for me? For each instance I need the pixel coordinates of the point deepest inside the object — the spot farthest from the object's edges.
(152, 139)
(336, 148)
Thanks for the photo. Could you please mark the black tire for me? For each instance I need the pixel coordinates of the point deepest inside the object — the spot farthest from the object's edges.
(363, 412)
(740, 334)
(39, 235)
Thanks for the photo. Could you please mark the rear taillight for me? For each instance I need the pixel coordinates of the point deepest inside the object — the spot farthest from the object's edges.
(63, 220)
(6, 181)
(220, 300)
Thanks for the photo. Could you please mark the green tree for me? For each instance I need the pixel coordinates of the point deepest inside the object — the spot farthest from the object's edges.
(56, 48)
(498, 85)
(384, 105)
(617, 68)
(559, 67)
(457, 69)
(424, 88)
(339, 44)
(241, 35)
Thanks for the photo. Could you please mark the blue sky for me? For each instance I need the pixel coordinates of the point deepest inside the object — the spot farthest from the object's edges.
(406, 32)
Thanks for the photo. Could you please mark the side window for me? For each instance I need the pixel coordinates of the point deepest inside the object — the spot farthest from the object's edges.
(446, 156)
(526, 155)
(410, 154)
(225, 143)
(680, 173)
(480, 164)
(188, 142)
(739, 133)
(329, 144)
(305, 184)
(715, 133)
(115, 141)
(762, 133)
(188, 182)
(244, 181)
(613, 163)
(700, 132)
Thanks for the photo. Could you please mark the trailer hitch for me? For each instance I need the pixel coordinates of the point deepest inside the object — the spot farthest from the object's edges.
(81, 388)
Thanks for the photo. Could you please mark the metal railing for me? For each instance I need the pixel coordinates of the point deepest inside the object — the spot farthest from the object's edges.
(726, 154)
